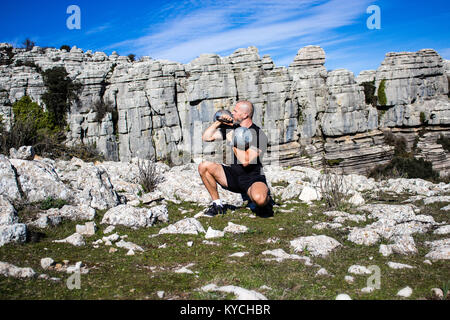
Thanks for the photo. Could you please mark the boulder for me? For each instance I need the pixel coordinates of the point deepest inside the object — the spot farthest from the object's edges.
(316, 245)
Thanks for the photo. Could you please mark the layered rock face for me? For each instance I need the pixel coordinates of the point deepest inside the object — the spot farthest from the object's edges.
(309, 114)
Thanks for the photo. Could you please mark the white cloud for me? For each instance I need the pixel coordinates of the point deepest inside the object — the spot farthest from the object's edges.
(264, 24)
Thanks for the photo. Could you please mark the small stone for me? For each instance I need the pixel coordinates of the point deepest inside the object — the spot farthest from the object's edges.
(112, 250)
(367, 289)
(343, 296)
(405, 292)
(160, 294)
(349, 279)
(109, 229)
(235, 228)
(76, 239)
(427, 262)
(190, 243)
(359, 270)
(322, 272)
(130, 252)
(211, 233)
(238, 254)
(46, 263)
(437, 293)
(395, 265)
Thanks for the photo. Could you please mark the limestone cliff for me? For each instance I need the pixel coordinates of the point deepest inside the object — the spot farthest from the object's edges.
(309, 114)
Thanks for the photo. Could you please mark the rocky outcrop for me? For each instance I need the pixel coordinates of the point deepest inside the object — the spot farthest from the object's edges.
(308, 113)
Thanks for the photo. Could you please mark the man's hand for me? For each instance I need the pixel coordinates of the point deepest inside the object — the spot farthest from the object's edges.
(248, 156)
(226, 119)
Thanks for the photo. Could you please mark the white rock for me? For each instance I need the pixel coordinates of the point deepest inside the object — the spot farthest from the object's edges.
(129, 246)
(46, 263)
(76, 239)
(438, 293)
(427, 262)
(160, 294)
(109, 229)
(343, 296)
(405, 292)
(367, 289)
(363, 236)
(322, 272)
(190, 243)
(185, 269)
(385, 250)
(357, 199)
(359, 270)
(88, 229)
(130, 252)
(317, 245)
(8, 214)
(9, 270)
(211, 233)
(111, 238)
(133, 217)
(235, 228)
(443, 230)
(349, 279)
(238, 254)
(240, 293)
(395, 265)
(185, 226)
(13, 233)
(310, 194)
(281, 255)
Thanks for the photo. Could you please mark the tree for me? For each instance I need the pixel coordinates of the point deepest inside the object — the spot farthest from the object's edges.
(65, 47)
(61, 91)
(28, 44)
(132, 57)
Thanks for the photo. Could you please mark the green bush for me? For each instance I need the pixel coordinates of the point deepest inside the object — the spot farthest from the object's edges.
(369, 93)
(52, 203)
(401, 167)
(132, 57)
(444, 141)
(382, 100)
(61, 91)
(65, 47)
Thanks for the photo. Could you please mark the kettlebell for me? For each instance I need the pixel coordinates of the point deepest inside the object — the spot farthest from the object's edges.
(218, 115)
(242, 137)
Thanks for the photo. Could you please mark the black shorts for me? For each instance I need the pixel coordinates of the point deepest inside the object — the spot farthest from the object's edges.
(239, 182)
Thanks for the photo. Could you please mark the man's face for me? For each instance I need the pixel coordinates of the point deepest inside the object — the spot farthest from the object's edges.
(238, 114)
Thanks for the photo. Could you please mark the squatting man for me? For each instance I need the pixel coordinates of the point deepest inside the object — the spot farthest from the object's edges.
(245, 173)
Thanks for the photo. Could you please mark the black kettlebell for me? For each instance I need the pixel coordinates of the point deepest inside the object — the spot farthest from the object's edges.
(219, 114)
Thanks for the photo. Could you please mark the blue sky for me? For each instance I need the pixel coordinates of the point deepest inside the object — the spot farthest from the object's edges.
(182, 30)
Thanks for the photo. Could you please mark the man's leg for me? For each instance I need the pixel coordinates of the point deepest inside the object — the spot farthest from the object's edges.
(211, 174)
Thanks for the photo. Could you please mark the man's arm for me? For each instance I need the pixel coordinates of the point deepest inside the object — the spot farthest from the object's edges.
(212, 133)
(248, 156)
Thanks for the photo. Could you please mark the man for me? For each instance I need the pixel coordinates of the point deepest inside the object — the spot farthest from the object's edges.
(245, 175)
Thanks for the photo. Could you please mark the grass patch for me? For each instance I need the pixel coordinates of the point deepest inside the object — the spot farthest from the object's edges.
(117, 276)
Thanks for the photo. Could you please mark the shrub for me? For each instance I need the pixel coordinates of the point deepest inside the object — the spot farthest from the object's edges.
(132, 57)
(444, 141)
(333, 189)
(6, 56)
(148, 175)
(102, 107)
(382, 100)
(61, 91)
(28, 45)
(401, 167)
(369, 93)
(65, 47)
(399, 144)
(423, 118)
(52, 203)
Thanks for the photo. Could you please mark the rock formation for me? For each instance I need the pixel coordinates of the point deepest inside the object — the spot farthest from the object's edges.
(309, 114)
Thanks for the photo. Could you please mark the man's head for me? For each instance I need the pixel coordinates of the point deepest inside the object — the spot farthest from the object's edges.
(243, 110)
